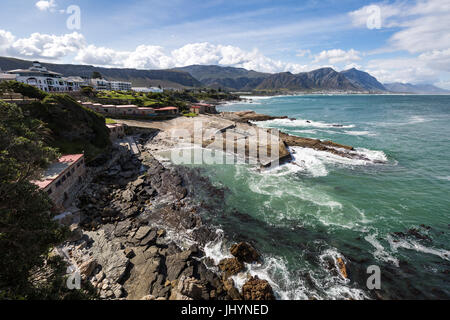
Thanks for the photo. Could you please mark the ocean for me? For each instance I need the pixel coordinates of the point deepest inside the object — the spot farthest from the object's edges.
(393, 213)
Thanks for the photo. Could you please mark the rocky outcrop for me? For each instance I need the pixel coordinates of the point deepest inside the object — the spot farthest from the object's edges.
(244, 252)
(246, 116)
(341, 267)
(257, 289)
(120, 246)
(231, 266)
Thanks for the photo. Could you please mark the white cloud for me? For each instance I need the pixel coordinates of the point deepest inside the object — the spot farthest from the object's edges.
(6, 40)
(337, 56)
(154, 57)
(424, 24)
(423, 31)
(46, 5)
(47, 46)
(303, 52)
(52, 47)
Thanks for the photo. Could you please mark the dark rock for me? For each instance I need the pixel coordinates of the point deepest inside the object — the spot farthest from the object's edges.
(257, 289)
(231, 266)
(245, 252)
(129, 253)
(176, 264)
(142, 232)
(149, 239)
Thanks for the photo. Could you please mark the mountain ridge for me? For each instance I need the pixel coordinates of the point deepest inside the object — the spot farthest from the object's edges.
(235, 79)
(398, 87)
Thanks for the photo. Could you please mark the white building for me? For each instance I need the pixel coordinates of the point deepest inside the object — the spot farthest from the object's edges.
(120, 86)
(102, 84)
(38, 76)
(147, 90)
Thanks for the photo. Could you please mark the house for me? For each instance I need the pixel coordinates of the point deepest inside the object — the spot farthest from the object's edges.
(116, 131)
(145, 111)
(201, 108)
(108, 109)
(197, 109)
(130, 109)
(97, 107)
(38, 76)
(209, 108)
(62, 177)
(167, 111)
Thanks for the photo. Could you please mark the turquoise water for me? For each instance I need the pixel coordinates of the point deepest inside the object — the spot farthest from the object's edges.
(305, 215)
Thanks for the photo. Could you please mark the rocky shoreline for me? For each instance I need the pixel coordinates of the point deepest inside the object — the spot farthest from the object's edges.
(139, 237)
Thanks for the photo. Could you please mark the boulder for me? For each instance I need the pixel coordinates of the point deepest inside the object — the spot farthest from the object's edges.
(87, 268)
(257, 289)
(176, 263)
(341, 267)
(244, 252)
(187, 287)
(149, 239)
(233, 293)
(128, 195)
(142, 232)
(231, 266)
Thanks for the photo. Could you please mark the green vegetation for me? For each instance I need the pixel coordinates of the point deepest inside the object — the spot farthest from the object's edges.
(27, 230)
(189, 114)
(24, 89)
(74, 128)
(110, 121)
(180, 99)
(96, 75)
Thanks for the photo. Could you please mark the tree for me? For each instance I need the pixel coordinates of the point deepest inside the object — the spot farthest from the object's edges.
(96, 75)
(27, 230)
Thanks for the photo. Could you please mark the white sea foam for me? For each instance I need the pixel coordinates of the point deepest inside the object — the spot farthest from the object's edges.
(285, 286)
(380, 252)
(300, 123)
(315, 162)
(414, 245)
(360, 133)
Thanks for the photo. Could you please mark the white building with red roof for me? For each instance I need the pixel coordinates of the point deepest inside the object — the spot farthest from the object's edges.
(62, 177)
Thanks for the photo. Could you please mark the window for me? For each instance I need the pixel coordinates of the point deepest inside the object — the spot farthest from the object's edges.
(49, 191)
(72, 170)
(68, 174)
(58, 183)
(63, 178)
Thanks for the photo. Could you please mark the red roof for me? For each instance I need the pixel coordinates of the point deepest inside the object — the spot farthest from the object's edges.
(71, 157)
(56, 169)
(195, 107)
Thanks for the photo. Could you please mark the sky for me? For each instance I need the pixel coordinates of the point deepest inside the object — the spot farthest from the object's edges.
(395, 41)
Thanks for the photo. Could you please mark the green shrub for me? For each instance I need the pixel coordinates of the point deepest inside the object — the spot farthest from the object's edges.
(24, 89)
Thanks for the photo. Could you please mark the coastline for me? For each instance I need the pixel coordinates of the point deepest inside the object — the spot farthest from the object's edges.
(152, 223)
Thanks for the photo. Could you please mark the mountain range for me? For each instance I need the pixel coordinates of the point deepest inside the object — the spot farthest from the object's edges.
(236, 79)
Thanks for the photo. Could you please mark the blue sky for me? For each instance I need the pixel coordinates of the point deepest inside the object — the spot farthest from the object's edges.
(406, 41)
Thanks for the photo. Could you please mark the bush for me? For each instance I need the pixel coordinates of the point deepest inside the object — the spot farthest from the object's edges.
(24, 89)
